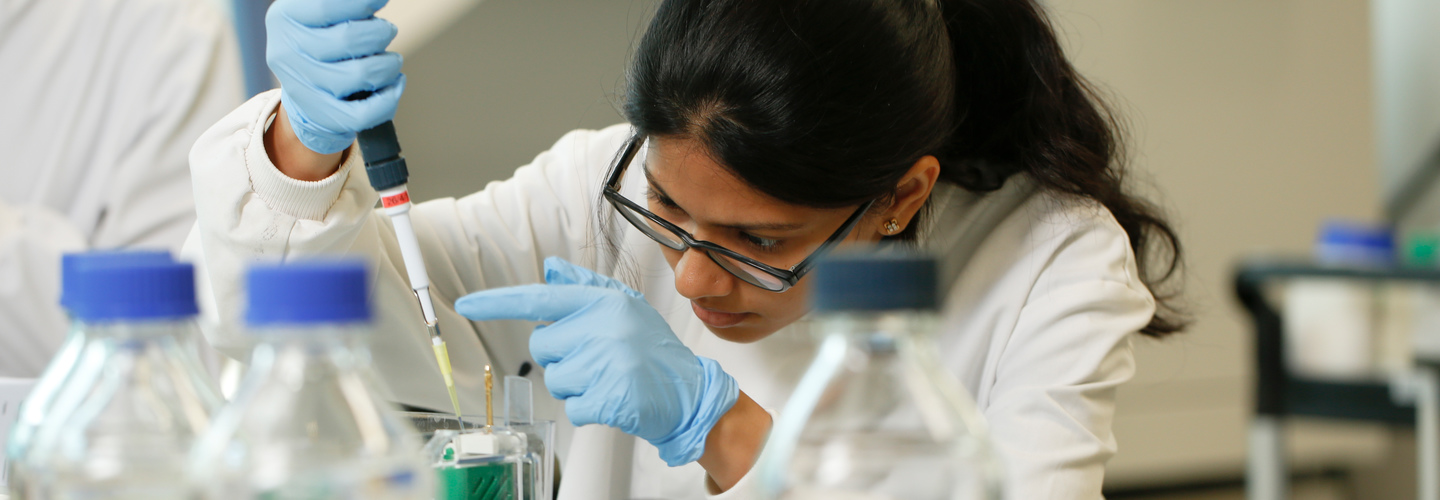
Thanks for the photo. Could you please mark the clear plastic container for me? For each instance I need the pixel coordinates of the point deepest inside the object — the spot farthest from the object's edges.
(513, 459)
(876, 417)
(35, 410)
(306, 421)
(122, 423)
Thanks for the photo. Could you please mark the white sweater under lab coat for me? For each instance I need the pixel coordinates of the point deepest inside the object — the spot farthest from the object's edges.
(1043, 298)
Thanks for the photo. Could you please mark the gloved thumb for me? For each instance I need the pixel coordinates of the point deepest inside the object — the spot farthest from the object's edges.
(559, 271)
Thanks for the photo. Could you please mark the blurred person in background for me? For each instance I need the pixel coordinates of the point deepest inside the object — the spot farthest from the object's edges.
(101, 102)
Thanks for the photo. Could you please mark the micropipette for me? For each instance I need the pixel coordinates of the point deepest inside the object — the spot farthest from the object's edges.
(389, 176)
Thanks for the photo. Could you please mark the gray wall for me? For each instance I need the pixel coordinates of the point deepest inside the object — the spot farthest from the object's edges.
(507, 80)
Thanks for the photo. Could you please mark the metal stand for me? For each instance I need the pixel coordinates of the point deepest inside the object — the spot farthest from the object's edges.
(1427, 432)
(1265, 469)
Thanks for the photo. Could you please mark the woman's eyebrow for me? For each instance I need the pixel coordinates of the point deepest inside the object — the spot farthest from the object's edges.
(655, 187)
(763, 226)
(738, 226)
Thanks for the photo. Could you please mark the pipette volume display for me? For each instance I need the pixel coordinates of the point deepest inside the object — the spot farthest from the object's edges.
(388, 174)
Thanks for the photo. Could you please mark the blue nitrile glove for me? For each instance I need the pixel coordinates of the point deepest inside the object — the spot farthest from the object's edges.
(613, 359)
(324, 51)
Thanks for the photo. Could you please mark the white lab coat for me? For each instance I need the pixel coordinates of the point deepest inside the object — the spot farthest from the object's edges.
(99, 103)
(1043, 298)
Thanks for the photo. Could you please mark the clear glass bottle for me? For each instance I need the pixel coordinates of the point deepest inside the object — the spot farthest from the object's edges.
(36, 409)
(306, 421)
(876, 417)
(123, 422)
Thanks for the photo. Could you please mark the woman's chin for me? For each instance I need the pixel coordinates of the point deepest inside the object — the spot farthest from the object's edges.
(741, 334)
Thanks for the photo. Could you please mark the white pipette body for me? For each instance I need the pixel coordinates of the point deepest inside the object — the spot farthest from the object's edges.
(397, 205)
(396, 201)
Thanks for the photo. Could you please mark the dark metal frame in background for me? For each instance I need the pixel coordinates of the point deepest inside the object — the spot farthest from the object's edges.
(1280, 393)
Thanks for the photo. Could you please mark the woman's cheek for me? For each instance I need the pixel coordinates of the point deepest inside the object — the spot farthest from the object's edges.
(672, 256)
(781, 309)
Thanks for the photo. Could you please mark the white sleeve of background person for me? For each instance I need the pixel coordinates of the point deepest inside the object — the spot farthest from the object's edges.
(102, 100)
(32, 326)
(249, 212)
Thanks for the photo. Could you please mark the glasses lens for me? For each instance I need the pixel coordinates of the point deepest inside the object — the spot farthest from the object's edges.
(746, 272)
(650, 228)
(750, 274)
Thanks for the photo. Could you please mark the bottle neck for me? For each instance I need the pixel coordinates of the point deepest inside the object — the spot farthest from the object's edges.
(876, 331)
(315, 349)
(139, 329)
(897, 350)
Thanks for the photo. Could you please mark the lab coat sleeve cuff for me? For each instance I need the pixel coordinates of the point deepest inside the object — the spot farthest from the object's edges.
(309, 200)
(748, 487)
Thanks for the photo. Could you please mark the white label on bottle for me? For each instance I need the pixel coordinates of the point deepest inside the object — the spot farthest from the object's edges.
(12, 392)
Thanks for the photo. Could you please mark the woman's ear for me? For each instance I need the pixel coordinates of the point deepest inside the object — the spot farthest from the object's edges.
(911, 193)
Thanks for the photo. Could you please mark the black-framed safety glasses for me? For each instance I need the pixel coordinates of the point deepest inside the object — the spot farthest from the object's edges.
(673, 237)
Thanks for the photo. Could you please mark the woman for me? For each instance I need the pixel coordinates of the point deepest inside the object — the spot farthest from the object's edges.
(759, 131)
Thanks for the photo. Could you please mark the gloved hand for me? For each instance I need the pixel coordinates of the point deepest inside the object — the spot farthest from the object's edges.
(613, 359)
(324, 51)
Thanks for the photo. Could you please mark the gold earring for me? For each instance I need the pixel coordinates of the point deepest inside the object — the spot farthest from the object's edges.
(892, 226)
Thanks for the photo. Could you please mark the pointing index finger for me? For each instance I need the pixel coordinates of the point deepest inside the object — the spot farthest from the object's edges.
(528, 302)
(559, 271)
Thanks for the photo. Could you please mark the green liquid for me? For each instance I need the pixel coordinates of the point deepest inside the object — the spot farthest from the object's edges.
(482, 482)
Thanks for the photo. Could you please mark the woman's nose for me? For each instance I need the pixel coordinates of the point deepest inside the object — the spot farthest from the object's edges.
(697, 276)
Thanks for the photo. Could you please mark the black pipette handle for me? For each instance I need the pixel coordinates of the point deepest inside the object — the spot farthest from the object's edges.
(383, 162)
(381, 150)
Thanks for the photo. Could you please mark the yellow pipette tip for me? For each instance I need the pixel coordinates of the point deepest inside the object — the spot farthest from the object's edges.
(442, 357)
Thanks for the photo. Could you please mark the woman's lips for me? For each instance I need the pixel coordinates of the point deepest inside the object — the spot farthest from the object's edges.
(715, 318)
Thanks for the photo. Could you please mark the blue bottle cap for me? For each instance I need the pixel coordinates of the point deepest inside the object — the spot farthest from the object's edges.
(1354, 243)
(875, 281)
(124, 289)
(70, 262)
(308, 293)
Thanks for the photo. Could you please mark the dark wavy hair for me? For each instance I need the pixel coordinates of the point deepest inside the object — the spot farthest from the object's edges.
(828, 103)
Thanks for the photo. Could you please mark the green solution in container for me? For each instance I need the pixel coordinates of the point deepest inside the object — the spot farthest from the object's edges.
(495, 462)
(476, 481)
